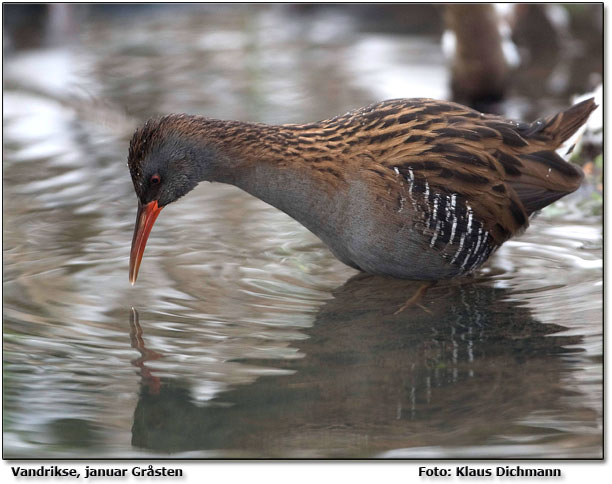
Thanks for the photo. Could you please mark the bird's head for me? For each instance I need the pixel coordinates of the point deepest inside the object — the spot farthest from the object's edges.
(164, 167)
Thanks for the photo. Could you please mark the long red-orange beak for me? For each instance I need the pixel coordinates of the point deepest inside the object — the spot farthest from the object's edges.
(145, 218)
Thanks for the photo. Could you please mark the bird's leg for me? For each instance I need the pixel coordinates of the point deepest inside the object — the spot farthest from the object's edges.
(416, 298)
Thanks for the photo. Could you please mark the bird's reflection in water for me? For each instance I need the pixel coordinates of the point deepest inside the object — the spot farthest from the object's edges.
(462, 372)
(149, 380)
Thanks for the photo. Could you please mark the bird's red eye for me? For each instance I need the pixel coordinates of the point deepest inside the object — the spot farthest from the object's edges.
(155, 179)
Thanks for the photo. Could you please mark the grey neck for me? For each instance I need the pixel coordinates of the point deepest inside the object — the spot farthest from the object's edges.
(278, 177)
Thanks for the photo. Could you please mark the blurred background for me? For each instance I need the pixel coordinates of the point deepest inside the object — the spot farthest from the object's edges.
(244, 337)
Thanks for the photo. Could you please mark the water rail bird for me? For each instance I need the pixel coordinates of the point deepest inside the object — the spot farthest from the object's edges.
(412, 188)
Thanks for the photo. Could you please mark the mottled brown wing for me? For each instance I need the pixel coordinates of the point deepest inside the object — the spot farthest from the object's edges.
(506, 169)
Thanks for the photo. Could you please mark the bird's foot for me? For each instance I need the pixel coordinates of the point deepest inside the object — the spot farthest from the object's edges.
(415, 300)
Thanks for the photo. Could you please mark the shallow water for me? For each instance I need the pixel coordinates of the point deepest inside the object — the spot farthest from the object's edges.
(243, 336)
